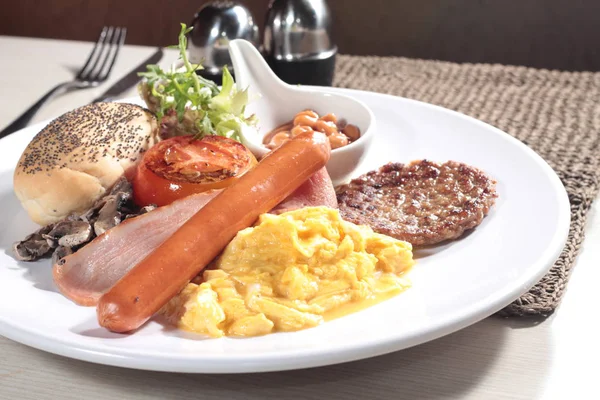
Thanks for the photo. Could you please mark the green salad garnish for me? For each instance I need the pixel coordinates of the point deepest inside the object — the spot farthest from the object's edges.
(199, 106)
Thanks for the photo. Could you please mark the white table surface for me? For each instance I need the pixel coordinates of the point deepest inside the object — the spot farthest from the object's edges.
(494, 359)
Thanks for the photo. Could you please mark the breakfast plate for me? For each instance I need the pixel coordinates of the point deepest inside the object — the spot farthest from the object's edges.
(454, 284)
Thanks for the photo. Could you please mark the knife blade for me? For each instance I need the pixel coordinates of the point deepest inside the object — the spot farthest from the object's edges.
(130, 79)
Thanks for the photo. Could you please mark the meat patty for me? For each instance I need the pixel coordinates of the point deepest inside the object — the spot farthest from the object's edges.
(422, 202)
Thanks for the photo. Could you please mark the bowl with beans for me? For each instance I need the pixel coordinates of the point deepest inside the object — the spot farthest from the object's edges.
(283, 111)
(338, 131)
(348, 142)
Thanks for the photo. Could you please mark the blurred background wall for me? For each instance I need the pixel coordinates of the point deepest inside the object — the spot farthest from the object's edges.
(554, 34)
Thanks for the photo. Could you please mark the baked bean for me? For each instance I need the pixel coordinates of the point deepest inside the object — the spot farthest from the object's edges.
(327, 127)
(310, 113)
(278, 139)
(305, 118)
(338, 140)
(339, 133)
(298, 129)
(330, 118)
(352, 132)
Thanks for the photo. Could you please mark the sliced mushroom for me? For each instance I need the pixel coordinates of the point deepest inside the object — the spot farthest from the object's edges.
(34, 246)
(110, 214)
(121, 186)
(90, 215)
(76, 230)
(69, 233)
(113, 206)
(59, 253)
(52, 243)
(81, 233)
(141, 211)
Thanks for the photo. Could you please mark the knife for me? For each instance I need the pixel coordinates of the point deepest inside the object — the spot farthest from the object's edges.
(130, 79)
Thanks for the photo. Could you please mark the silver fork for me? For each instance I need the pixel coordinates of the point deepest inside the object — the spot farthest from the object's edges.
(96, 70)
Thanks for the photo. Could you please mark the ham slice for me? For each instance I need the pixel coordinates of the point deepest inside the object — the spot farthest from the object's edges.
(316, 191)
(87, 274)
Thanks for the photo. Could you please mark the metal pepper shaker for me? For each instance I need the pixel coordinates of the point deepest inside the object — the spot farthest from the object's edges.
(297, 41)
(215, 24)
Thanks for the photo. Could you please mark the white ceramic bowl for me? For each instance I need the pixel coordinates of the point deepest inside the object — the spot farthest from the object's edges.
(275, 103)
(344, 160)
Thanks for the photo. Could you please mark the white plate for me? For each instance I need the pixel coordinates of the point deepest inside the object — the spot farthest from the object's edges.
(454, 285)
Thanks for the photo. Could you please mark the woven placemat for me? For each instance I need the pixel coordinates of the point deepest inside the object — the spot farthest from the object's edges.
(557, 114)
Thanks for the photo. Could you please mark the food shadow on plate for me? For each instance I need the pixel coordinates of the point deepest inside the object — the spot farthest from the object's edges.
(39, 273)
(421, 252)
(171, 330)
(91, 329)
(15, 226)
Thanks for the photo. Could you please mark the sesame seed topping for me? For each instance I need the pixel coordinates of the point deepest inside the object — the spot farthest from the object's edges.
(109, 132)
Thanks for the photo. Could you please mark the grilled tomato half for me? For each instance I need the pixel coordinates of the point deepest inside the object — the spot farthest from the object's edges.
(181, 166)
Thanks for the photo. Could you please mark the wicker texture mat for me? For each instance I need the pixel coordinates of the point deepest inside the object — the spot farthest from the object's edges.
(555, 113)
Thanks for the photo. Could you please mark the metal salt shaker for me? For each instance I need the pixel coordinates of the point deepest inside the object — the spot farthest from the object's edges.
(215, 24)
(298, 43)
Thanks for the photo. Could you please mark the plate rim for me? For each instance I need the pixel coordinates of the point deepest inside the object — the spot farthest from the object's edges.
(308, 358)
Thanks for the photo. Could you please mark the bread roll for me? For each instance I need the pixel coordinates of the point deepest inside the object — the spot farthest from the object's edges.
(74, 160)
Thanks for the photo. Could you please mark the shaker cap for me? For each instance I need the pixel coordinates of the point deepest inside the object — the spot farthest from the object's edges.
(298, 30)
(215, 24)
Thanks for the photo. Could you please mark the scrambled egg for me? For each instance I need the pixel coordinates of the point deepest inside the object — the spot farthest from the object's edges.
(290, 272)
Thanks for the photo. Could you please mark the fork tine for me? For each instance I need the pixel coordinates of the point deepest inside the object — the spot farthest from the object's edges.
(103, 48)
(103, 55)
(117, 43)
(95, 52)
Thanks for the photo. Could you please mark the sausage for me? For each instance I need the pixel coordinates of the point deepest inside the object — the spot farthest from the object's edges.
(167, 270)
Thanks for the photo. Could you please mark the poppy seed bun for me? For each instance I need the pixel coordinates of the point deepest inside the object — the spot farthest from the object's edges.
(77, 157)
